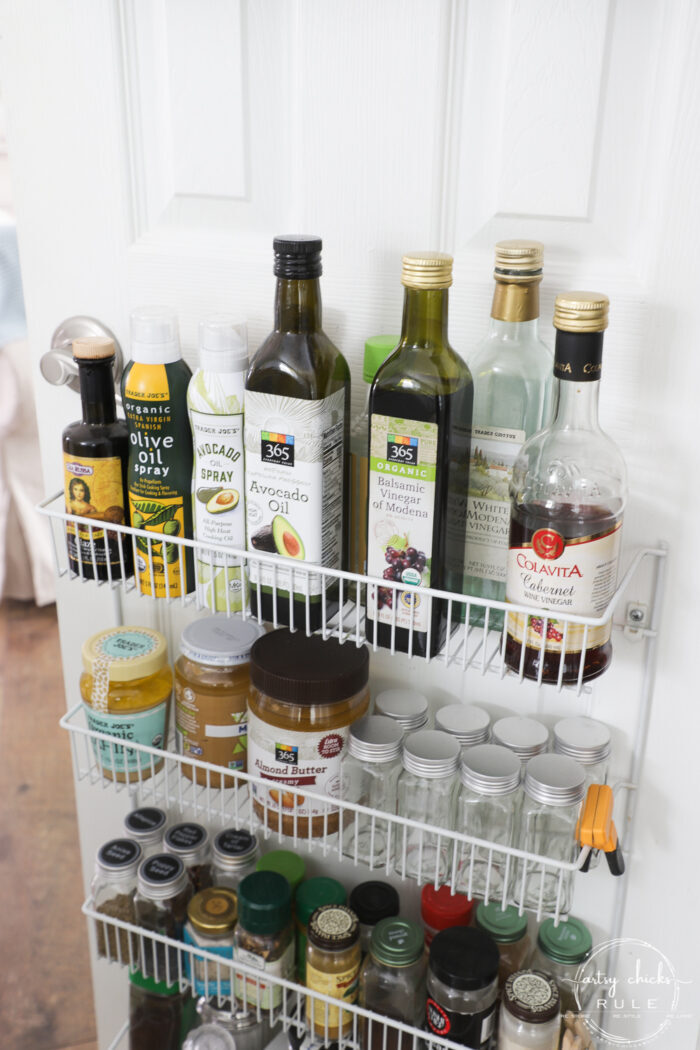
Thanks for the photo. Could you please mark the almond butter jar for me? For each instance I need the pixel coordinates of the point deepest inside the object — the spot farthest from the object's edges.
(306, 692)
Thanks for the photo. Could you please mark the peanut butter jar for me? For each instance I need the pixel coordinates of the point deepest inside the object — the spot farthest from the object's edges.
(305, 693)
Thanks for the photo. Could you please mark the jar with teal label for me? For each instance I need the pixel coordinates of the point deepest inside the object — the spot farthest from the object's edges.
(126, 687)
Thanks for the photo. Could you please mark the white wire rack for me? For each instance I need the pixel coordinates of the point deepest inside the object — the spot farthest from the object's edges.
(343, 615)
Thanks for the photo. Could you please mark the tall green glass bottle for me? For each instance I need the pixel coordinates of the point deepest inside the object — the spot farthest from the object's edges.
(420, 419)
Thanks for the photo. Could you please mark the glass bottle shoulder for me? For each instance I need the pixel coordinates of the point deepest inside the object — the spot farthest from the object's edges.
(427, 370)
(100, 440)
(512, 350)
(304, 365)
(578, 466)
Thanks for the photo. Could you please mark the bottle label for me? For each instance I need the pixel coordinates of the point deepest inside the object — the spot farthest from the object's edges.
(294, 486)
(209, 978)
(402, 468)
(160, 472)
(253, 989)
(212, 727)
(493, 453)
(474, 1030)
(93, 489)
(577, 576)
(341, 985)
(297, 760)
(141, 727)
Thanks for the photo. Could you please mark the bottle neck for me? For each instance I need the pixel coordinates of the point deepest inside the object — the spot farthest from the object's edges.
(298, 305)
(424, 317)
(515, 331)
(516, 303)
(97, 391)
(575, 405)
(577, 363)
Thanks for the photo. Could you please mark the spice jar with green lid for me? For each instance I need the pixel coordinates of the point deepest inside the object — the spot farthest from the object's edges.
(333, 959)
(126, 686)
(561, 950)
(509, 931)
(113, 889)
(306, 693)
(392, 982)
(285, 863)
(264, 937)
(530, 1017)
(211, 921)
(310, 895)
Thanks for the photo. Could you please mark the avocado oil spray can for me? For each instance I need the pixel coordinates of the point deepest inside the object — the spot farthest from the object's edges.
(154, 394)
(215, 399)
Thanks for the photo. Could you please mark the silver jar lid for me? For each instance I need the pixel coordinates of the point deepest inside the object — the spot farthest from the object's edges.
(469, 723)
(118, 859)
(490, 769)
(220, 641)
(406, 706)
(555, 780)
(146, 825)
(584, 739)
(188, 841)
(431, 753)
(161, 877)
(525, 737)
(234, 848)
(375, 738)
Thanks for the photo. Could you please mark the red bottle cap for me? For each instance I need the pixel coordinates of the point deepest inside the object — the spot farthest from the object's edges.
(441, 908)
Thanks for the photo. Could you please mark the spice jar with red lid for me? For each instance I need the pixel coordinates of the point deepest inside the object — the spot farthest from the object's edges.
(441, 909)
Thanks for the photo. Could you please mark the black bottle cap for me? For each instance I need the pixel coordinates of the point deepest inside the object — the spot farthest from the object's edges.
(464, 958)
(145, 819)
(372, 901)
(297, 256)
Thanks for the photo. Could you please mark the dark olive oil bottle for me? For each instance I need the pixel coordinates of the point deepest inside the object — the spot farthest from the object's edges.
(95, 454)
(297, 413)
(419, 427)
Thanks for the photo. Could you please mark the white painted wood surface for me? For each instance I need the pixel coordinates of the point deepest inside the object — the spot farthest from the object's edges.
(157, 146)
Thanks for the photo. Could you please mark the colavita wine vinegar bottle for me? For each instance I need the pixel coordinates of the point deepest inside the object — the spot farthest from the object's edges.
(568, 496)
(420, 415)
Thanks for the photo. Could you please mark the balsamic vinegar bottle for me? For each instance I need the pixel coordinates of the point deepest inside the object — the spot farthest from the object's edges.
(420, 418)
(297, 416)
(95, 455)
(568, 495)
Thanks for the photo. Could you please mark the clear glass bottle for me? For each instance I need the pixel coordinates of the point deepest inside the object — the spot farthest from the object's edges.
(146, 825)
(568, 494)
(392, 983)
(525, 737)
(512, 371)
(470, 724)
(373, 901)
(407, 707)
(463, 987)
(426, 793)
(190, 842)
(211, 921)
(488, 807)
(369, 773)
(560, 950)
(333, 958)
(234, 855)
(113, 889)
(553, 794)
(162, 895)
(530, 1016)
(587, 741)
(509, 931)
(264, 938)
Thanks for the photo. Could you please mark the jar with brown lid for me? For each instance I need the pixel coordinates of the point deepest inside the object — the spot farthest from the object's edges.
(333, 957)
(306, 693)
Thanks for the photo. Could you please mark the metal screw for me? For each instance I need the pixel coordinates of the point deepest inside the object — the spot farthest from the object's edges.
(636, 615)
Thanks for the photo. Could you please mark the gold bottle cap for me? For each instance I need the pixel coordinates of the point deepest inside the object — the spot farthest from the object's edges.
(581, 312)
(519, 260)
(426, 270)
(93, 348)
(213, 911)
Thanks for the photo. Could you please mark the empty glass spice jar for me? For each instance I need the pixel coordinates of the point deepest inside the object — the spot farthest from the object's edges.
(392, 983)
(407, 707)
(190, 842)
(525, 737)
(463, 986)
(488, 807)
(333, 959)
(113, 889)
(162, 895)
(211, 920)
(509, 931)
(470, 724)
(234, 855)
(426, 793)
(553, 787)
(310, 895)
(146, 826)
(264, 938)
(369, 774)
(587, 741)
(441, 909)
(373, 901)
(561, 949)
(530, 1016)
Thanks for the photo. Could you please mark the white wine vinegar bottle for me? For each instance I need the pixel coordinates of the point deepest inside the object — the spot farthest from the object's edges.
(512, 371)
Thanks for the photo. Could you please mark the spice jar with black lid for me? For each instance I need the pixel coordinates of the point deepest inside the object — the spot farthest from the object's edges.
(305, 694)
(190, 842)
(264, 937)
(530, 1017)
(373, 901)
(162, 895)
(146, 826)
(333, 958)
(113, 888)
(234, 855)
(463, 986)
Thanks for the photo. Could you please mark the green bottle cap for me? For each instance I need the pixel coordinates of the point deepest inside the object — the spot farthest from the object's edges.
(504, 924)
(315, 892)
(149, 984)
(264, 902)
(377, 349)
(286, 863)
(397, 942)
(570, 942)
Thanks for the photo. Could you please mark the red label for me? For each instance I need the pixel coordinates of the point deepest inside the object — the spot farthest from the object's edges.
(330, 746)
(438, 1020)
(548, 544)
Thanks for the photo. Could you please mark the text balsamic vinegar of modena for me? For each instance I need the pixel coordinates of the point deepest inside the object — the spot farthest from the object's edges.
(568, 496)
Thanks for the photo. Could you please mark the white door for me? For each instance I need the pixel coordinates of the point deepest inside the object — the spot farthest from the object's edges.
(156, 147)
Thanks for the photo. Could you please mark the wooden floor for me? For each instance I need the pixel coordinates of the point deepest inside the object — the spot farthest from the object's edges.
(46, 991)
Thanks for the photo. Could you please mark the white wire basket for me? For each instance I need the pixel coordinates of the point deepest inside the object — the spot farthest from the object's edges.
(465, 646)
